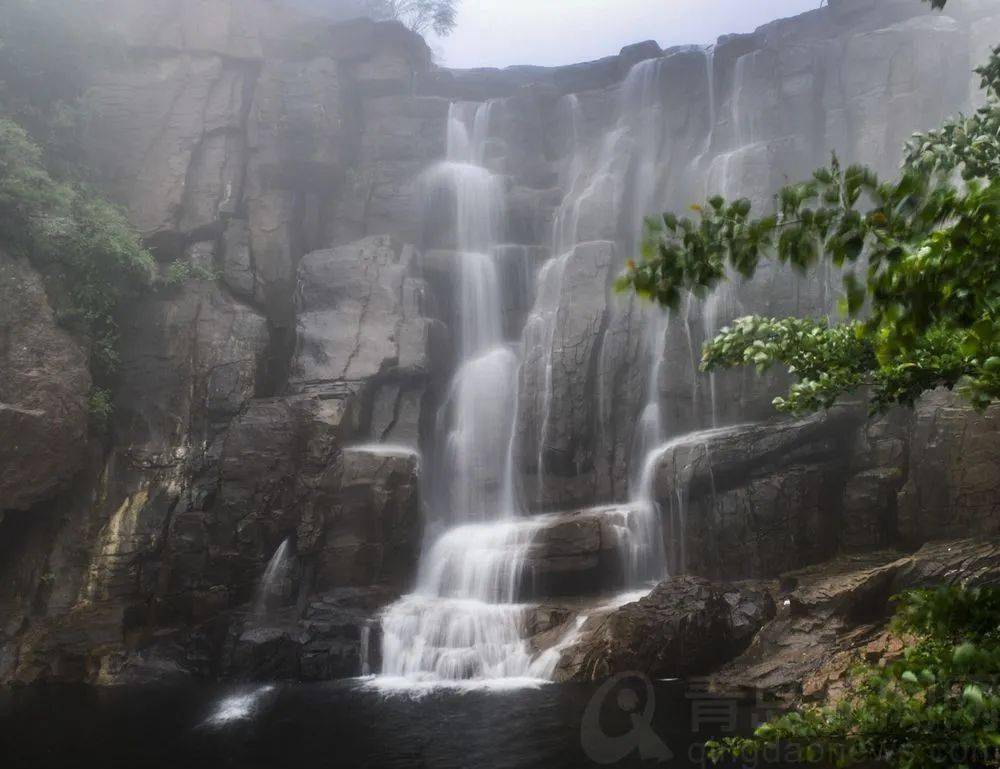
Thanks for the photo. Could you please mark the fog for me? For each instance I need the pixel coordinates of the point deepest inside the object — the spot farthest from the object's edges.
(499, 33)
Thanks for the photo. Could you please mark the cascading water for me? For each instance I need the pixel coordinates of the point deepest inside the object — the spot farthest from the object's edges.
(463, 621)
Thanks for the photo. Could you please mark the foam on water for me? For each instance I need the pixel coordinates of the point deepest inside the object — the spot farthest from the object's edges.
(384, 450)
(237, 707)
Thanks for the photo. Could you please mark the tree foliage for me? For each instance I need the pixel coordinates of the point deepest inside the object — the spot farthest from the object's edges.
(421, 16)
(921, 262)
(91, 256)
(936, 706)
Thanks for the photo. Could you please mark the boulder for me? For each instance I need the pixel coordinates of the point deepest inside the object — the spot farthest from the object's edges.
(686, 626)
(44, 391)
(360, 316)
(952, 487)
(755, 500)
(576, 554)
(372, 530)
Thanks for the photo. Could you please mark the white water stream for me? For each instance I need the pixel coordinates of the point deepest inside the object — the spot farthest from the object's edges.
(465, 621)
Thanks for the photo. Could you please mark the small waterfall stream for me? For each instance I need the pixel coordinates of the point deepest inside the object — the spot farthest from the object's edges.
(274, 584)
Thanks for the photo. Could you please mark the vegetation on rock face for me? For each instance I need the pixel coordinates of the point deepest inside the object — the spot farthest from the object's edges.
(421, 16)
(83, 245)
(921, 257)
(88, 252)
(936, 706)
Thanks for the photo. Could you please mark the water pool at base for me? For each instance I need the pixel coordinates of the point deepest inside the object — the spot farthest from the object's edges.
(342, 725)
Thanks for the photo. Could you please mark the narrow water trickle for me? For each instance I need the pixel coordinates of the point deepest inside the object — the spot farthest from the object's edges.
(274, 584)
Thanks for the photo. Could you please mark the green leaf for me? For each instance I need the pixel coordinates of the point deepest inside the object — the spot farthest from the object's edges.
(973, 695)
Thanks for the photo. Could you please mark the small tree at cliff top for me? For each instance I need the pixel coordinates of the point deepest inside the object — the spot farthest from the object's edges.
(921, 256)
(421, 16)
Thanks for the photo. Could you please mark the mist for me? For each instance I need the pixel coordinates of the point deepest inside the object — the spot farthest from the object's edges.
(500, 33)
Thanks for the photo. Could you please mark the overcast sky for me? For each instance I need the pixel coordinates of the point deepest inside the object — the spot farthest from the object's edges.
(498, 33)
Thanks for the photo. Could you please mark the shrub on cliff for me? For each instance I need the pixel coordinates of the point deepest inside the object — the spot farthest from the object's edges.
(90, 255)
(921, 256)
(936, 706)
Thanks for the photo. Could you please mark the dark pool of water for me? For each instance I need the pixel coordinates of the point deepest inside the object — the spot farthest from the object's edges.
(347, 724)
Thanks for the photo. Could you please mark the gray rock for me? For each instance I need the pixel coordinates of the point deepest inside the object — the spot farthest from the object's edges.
(952, 487)
(756, 500)
(565, 417)
(371, 534)
(576, 554)
(174, 120)
(686, 626)
(44, 389)
(838, 612)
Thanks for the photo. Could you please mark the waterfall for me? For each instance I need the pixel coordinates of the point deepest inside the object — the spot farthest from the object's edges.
(649, 432)
(274, 584)
(463, 620)
(539, 333)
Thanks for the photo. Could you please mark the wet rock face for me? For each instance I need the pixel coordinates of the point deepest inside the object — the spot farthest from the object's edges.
(953, 485)
(835, 616)
(44, 389)
(373, 529)
(337, 637)
(559, 384)
(754, 501)
(576, 554)
(360, 315)
(686, 626)
(288, 154)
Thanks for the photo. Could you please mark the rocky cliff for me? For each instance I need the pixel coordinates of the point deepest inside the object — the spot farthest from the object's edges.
(292, 398)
